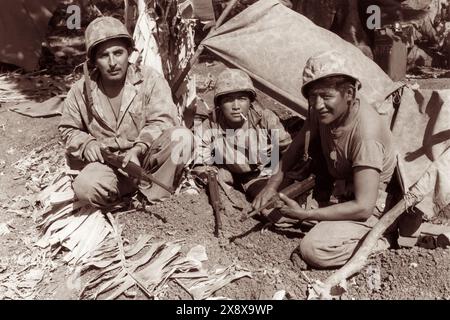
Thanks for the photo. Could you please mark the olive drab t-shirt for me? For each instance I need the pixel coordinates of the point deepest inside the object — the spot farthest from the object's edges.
(365, 140)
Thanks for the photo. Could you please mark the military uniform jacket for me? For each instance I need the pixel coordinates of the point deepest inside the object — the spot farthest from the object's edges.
(235, 149)
(146, 111)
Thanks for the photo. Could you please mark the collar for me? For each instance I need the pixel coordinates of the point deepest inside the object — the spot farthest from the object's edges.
(255, 113)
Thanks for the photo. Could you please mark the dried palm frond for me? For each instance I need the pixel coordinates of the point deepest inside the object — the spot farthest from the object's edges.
(146, 265)
(67, 223)
(41, 166)
(204, 287)
(92, 240)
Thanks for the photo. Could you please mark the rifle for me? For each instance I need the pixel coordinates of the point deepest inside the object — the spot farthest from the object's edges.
(214, 199)
(132, 169)
(292, 191)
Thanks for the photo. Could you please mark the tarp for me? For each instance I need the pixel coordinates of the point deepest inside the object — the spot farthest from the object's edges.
(421, 128)
(272, 43)
(23, 25)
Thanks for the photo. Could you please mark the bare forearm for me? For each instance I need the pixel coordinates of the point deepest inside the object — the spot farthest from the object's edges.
(350, 210)
(276, 179)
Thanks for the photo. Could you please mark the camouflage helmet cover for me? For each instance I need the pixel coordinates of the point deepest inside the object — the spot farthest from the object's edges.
(102, 29)
(324, 65)
(233, 80)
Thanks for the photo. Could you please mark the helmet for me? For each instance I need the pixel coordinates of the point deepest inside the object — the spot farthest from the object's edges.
(324, 65)
(102, 29)
(233, 80)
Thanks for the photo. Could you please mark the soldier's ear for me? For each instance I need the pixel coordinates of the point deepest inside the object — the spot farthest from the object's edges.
(350, 92)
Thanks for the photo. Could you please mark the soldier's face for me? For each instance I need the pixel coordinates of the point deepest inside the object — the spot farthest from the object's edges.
(233, 106)
(111, 59)
(330, 104)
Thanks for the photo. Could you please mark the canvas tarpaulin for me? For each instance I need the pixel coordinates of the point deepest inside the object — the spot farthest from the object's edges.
(272, 43)
(421, 129)
(23, 25)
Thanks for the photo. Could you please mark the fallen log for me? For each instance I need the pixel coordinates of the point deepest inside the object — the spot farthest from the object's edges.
(425, 185)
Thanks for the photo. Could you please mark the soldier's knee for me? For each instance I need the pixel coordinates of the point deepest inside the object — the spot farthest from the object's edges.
(83, 187)
(183, 135)
(97, 191)
(182, 141)
(317, 253)
(310, 251)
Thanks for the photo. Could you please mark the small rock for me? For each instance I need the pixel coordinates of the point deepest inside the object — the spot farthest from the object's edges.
(413, 265)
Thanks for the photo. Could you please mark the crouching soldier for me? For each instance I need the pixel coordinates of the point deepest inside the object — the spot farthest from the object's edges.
(359, 153)
(240, 138)
(126, 110)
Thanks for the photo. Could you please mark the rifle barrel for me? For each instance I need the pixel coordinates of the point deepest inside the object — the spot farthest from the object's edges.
(132, 169)
(294, 190)
(214, 198)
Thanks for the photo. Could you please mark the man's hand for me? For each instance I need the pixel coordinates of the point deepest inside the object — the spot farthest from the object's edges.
(292, 209)
(133, 155)
(92, 152)
(263, 197)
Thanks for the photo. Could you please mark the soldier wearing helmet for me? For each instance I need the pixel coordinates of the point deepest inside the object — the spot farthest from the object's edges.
(359, 157)
(125, 109)
(241, 139)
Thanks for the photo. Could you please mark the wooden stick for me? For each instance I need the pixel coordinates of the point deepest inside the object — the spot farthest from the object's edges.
(126, 14)
(357, 262)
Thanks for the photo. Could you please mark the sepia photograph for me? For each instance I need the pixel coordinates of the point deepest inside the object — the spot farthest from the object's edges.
(225, 154)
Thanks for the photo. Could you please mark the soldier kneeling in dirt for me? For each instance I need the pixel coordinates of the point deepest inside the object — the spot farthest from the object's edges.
(127, 110)
(241, 139)
(360, 158)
